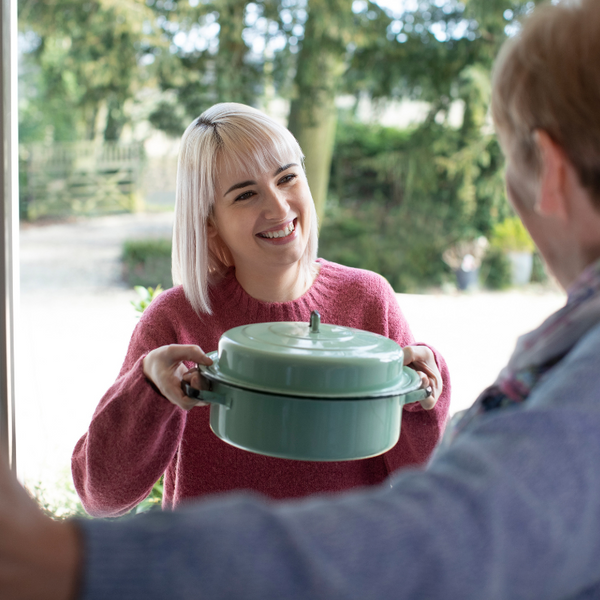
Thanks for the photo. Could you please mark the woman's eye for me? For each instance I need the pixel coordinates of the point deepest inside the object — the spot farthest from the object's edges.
(287, 178)
(244, 196)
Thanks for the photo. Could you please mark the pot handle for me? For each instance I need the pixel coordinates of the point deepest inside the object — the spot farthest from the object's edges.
(205, 394)
(417, 395)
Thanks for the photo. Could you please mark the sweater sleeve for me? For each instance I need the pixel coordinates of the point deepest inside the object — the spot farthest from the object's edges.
(133, 435)
(421, 429)
(510, 510)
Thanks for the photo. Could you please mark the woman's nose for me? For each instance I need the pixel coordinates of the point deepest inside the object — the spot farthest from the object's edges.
(276, 205)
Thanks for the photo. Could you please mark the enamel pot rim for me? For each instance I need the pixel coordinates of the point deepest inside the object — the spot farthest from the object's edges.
(312, 360)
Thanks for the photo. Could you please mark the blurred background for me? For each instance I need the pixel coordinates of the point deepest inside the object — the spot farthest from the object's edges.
(389, 101)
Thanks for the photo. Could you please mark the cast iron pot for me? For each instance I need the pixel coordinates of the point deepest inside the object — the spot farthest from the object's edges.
(307, 391)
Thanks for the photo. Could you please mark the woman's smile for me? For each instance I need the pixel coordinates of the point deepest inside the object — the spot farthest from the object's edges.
(281, 234)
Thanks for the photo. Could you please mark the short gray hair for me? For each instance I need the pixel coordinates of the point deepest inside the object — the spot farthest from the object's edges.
(548, 78)
(227, 131)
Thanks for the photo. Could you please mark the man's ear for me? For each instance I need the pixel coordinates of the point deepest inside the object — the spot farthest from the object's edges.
(553, 195)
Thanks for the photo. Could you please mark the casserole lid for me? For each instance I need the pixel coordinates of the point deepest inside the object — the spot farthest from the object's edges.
(311, 359)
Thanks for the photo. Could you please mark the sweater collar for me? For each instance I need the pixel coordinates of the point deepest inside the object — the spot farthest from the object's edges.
(229, 294)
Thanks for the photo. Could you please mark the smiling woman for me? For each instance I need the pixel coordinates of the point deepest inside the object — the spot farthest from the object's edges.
(264, 223)
(244, 251)
(236, 162)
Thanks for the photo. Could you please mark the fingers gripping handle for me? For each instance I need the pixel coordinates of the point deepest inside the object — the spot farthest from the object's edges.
(417, 395)
(205, 394)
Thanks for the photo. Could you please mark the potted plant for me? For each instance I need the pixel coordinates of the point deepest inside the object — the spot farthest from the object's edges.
(513, 239)
(464, 258)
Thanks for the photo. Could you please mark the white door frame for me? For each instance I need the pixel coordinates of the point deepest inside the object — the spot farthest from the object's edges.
(9, 226)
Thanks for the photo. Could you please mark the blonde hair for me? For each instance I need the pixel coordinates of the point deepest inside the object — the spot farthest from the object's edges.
(548, 78)
(241, 136)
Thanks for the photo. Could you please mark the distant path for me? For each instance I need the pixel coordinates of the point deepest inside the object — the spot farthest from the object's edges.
(75, 323)
(83, 255)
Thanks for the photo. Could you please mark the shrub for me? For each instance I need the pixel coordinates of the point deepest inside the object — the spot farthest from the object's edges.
(510, 235)
(495, 269)
(147, 262)
(399, 198)
(539, 274)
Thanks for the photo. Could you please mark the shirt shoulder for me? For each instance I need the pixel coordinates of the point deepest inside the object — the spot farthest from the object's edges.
(575, 380)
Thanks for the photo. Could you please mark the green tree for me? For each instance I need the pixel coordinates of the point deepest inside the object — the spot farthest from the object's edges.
(210, 57)
(81, 58)
(400, 199)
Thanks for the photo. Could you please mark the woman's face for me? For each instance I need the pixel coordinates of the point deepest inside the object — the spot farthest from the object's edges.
(264, 219)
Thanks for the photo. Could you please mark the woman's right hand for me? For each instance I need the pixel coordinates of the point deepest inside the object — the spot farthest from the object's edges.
(165, 367)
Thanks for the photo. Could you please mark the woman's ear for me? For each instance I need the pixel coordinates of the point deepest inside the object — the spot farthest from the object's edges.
(216, 245)
(211, 228)
(553, 194)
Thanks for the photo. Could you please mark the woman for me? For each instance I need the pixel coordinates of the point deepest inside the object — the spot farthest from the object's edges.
(245, 243)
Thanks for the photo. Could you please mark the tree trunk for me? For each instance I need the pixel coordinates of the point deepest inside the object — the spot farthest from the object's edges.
(321, 64)
(314, 128)
(231, 72)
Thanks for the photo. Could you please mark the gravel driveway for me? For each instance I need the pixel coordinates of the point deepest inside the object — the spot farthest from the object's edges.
(75, 323)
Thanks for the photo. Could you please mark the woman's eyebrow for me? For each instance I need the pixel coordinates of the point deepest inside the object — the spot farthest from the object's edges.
(237, 186)
(284, 168)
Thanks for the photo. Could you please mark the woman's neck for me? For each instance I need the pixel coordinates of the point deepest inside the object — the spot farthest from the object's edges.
(283, 284)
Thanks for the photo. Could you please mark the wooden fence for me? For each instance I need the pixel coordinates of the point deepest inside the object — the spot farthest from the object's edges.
(79, 178)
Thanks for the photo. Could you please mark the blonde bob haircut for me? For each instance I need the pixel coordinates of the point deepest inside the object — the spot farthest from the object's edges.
(548, 78)
(240, 136)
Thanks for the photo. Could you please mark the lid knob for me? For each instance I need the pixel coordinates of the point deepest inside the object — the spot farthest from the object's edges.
(315, 321)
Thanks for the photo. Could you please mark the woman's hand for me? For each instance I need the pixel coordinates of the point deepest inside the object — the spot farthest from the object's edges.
(422, 360)
(165, 367)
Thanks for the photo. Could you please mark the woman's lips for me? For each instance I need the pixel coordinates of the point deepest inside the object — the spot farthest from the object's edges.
(280, 233)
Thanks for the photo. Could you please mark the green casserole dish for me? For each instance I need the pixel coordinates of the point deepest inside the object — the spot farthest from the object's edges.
(307, 391)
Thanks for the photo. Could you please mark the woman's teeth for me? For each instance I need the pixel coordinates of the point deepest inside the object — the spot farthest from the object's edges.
(279, 234)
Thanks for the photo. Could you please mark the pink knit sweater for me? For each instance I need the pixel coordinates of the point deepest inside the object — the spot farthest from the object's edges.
(136, 434)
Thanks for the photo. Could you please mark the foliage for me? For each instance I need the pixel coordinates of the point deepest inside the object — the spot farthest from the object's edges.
(60, 503)
(426, 47)
(369, 236)
(538, 272)
(495, 270)
(146, 296)
(511, 236)
(397, 199)
(418, 192)
(80, 58)
(208, 59)
(153, 500)
(147, 262)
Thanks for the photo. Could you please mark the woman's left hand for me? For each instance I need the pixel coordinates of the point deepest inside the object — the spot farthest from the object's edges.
(422, 360)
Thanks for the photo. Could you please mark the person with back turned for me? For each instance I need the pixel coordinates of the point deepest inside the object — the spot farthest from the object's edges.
(508, 507)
